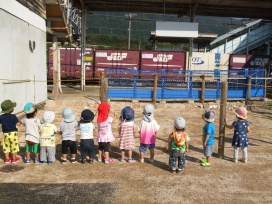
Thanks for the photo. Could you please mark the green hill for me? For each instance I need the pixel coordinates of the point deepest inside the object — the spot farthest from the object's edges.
(110, 29)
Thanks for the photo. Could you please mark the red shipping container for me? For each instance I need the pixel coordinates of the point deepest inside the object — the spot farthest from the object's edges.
(248, 61)
(125, 59)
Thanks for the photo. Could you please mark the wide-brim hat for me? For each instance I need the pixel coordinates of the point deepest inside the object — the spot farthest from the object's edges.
(208, 116)
(8, 106)
(127, 114)
(68, 115)
(241, 112)
(29, 108)
(87, 115)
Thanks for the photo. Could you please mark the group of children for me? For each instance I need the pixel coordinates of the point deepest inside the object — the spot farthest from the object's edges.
(40, 136)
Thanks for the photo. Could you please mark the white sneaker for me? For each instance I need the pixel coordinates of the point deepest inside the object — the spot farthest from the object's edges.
(151, 161)
(245, 160)
(141, 160)
(235, 160)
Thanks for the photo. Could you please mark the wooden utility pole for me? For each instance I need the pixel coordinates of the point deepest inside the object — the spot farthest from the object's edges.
(248, 90)
(223, 104)
(155, 88)
(103, 87)
(203, 90)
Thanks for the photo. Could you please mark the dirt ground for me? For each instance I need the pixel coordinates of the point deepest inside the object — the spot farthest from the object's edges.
(223, 182)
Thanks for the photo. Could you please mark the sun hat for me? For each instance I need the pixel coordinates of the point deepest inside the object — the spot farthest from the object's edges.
(208, 116)
(103, 112)
(87, 115)
(179, 123)
(7, 106)
(29, 108)
(68, 115)
(127, 114)
(48, 117)
(241, 112)
(148, 112)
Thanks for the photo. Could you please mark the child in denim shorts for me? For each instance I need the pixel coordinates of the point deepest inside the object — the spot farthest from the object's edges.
(208, 137)
(148, 129)
(178, 144)
(10, 132)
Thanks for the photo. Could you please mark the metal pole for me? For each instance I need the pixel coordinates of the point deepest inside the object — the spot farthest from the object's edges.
(223, 104)
(155, 88)
(129, 31)
(83, 43)
(203, 90)
(55, 66)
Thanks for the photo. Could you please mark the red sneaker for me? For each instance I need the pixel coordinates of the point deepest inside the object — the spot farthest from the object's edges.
(14, 161)
(7, 160)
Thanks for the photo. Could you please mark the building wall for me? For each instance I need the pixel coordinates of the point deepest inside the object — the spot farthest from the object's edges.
(19, 66)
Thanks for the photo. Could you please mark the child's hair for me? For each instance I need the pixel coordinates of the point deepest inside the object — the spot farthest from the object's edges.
(31, 115)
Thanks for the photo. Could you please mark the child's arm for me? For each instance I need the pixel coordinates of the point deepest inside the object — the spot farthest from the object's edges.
(19, 123)
(114, 116)
(248, 129)
(206, 139)
(228, 126)
(187, 146)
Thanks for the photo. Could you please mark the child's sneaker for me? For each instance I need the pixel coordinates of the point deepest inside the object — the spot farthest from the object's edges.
(172, 170)
(91, 161)
(8, 160)
(37, 161)
(50, 162)
(179, 170)
(151, 161)
(141, 160)
(131, 160)
(244, 160)
(122, 160)
(204, 160)
(27, 161)
(206, 164)
(63, 161)
(83, 161)
(73, 160)
(44, 162)
(235, 160)
(109, 161)
(15, 160)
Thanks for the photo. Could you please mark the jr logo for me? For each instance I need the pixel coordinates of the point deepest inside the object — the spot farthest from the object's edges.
(162, 58)
(117, 56)
(197, 61)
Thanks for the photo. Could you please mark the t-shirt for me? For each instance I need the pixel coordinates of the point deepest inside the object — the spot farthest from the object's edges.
(209, 128)
(105, 132)
(68, 130)
(32, 126)
(86, 130)
(174, 145)
(148, 131)
(48, 135)
(9, 122)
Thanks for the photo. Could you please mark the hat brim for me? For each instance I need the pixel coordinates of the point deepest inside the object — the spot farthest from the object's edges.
(32, 110)
(239, 116)
(11, 108)
(208, 120)
(70, 119)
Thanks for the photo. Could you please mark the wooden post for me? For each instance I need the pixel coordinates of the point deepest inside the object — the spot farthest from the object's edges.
(265, 84)
(103, 87)
(248, 90)
(155, 88)
(203, 90)
(223, 104)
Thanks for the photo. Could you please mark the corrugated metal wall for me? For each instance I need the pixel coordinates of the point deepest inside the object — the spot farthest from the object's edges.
(18, 62)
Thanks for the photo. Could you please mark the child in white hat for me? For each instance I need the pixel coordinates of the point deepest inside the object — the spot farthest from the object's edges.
(148, 129)
(178, 144)
(240, 138)
(47, 140)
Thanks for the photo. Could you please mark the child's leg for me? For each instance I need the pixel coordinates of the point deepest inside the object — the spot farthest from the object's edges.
(91, 150)
(83, 149)
(152, 152)
(27, 155)
(73, 150)
(244, 149)
(43, 154)
(7, 155)
(122, 154)
(64, 149)
(181, 161)
(106, 150)
(142, 155)
(51, 153)
(172, 161)
(235, 154)
(129, 154)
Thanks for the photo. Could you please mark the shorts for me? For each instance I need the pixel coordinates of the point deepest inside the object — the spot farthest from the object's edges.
(35, 148)
(11, 142)
(143, 147)
(208, 150)
(104, 146)
(68, 144)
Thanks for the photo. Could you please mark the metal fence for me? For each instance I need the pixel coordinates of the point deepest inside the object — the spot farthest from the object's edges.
(192, 84)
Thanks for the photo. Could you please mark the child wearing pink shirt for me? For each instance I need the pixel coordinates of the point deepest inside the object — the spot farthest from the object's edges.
(105, 135)
(148, 128)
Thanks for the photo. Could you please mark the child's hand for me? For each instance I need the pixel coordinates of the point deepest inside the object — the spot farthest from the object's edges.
(187, 150)
(224, 122)
(204, 144)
